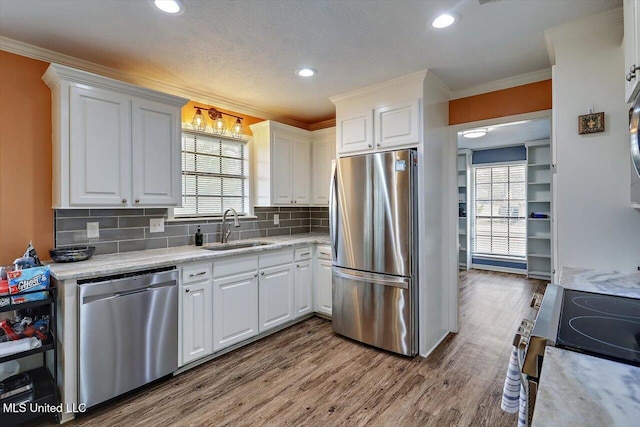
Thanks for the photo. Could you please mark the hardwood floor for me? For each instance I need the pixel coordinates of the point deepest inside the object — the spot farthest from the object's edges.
(306, 375)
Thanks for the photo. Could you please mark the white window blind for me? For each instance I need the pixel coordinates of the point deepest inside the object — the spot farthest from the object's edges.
(500, 223)
(214, 175)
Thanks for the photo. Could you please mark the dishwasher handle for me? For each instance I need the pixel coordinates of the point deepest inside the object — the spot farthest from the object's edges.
(114, 295)
(127, 286)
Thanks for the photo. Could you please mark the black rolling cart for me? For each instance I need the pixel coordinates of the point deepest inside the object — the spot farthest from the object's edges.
(34, 396)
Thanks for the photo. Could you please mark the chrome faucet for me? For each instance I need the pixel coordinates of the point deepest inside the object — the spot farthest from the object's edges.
(224, 238)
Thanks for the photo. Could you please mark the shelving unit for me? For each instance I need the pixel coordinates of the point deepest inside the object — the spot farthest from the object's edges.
(45, 390)
(539, 255)
(464, 235)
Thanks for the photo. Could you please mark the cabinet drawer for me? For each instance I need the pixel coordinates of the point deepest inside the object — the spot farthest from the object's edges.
(196, 272)
(270, 259)
(324, 252)
(235, 265)
(303, 253)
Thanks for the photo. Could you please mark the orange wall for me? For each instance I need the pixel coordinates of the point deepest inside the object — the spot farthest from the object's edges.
(507, 102)
(188, 111)
(25, 158)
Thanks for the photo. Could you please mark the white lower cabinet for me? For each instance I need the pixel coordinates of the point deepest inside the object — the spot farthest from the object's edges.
(323, 281)
(303, 281)
(235, 300)
(197, 336)
(276, 293)
(196, 311)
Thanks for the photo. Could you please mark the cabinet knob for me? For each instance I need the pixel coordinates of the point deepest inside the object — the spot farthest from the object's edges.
(137, 200)
(378, 144)
(186, 290)
(262, 274)
(634, 68)
(255, 275)
(630, 77)
(124, 200)
(370, 146)
(297, 265)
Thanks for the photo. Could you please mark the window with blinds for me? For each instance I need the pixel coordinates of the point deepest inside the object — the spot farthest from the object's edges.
(500, 220)
(214, 175)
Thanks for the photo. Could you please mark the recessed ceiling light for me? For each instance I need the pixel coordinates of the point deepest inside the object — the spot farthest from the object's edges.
(306, 72)
(173, 7)
(474, 133)
(443, 21)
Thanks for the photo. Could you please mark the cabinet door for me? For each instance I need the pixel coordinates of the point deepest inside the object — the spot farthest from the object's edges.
(276, 296)
(355, 133)
(300, 172)
(197, 311)
(323, 287)
(235, 309)
(99, 147)
(281, 155)
(156, 168)
(631, 47)
(322, 156)
(304, 287)
(397, 125)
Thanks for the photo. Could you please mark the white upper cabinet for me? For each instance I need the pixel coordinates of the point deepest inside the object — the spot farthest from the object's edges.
(282, 164)
(323, 151)
(355, 132)
(631, 48)
(397, 125)
(114, 144)
(380, 117)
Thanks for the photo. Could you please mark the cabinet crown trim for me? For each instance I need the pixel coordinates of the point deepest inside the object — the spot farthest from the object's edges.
(271, 125)
(56, 72)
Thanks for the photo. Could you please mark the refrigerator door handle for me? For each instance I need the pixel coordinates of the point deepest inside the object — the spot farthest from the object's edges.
(398, 282)
(333, 206)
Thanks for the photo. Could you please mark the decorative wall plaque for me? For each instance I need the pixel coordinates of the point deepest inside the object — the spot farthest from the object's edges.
(591, 123)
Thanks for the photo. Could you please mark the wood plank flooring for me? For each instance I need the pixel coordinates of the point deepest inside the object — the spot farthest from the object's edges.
(308, 376)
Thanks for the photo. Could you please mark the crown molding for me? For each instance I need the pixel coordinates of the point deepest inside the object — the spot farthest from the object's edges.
(509, 82)
(46, 55)
(322, 125)
(409, 78)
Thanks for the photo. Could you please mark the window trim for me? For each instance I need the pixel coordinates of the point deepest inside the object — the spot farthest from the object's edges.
(472, 214)
(171, 216)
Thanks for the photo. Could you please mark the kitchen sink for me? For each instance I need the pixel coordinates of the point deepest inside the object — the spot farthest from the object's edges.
(235, 245)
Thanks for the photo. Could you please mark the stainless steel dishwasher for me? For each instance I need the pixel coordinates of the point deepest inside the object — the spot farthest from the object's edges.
(128, 329)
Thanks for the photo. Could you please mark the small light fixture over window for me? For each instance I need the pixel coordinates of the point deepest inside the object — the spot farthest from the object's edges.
(172, 7)
(443, 21)
(199, 122)
(306, 72)
(474, 133)
(236, 129)
(219, 127)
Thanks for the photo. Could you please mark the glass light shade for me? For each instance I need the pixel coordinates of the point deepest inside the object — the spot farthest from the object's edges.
(474, 133)
(236, 130)
(219, 127)
(199, 122)
(443, 21)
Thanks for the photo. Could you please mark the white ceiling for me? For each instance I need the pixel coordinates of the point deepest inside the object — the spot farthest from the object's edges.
(508, 134)
(248, 50)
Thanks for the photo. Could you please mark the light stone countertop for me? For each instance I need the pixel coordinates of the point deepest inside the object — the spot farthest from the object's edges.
(580, 390)
(104, 265)
(602, 282)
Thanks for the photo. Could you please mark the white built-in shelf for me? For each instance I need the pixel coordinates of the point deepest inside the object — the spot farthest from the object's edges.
(463, 232)
(539, 236)
(534, 255)
(540, 201)
(463, 249)
(538, 219)
(539, 274)
(635, 205)
(539, 165)
(540, 183)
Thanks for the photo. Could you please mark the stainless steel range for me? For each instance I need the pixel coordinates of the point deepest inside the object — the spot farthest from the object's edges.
(600, 325)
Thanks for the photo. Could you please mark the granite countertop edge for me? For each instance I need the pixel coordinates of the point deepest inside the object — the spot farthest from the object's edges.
(105, 265)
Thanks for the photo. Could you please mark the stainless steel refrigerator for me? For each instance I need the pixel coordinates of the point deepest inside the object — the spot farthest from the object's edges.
(373, 223)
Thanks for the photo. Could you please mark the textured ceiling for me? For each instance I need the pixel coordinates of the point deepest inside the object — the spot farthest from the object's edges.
(248, 50)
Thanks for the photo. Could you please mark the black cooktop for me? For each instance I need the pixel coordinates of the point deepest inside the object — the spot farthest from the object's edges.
(601, 325)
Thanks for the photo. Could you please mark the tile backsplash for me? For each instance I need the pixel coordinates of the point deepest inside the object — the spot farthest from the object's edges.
(125, 230)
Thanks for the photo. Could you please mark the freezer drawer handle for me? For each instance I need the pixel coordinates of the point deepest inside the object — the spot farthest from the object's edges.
(197, 274)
